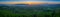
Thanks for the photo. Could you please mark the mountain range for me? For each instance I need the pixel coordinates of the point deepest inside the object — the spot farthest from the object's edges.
(33, 6)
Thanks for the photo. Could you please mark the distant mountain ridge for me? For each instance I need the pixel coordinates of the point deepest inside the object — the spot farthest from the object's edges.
(38, 5)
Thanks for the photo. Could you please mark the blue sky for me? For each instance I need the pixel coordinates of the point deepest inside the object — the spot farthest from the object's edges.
(29, 0)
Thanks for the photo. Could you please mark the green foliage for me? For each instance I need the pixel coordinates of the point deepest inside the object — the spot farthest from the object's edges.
(30, 13)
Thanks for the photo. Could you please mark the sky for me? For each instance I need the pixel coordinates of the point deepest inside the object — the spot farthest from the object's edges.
(29, 0)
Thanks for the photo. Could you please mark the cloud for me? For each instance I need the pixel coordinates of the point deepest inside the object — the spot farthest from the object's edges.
(29, 0)
(22, 0)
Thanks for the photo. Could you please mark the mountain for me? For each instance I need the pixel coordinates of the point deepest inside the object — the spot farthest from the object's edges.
(37, 6)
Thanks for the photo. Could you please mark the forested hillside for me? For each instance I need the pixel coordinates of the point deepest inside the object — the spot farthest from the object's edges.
(43, 10)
